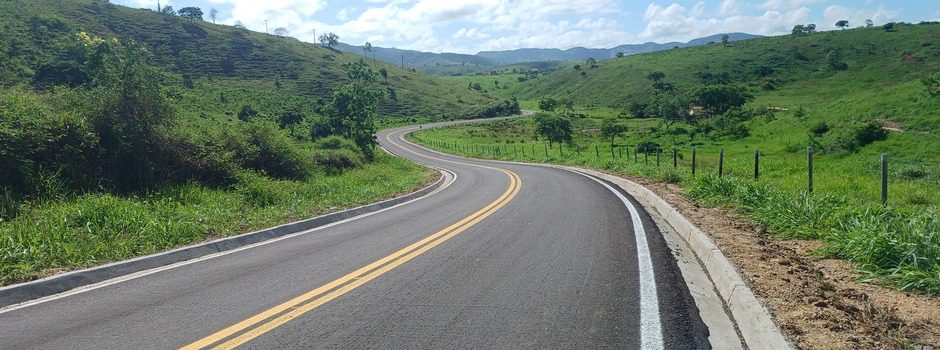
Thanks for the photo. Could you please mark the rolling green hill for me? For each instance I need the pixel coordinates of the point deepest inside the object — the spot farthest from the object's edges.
(250, 66)
(881, 79)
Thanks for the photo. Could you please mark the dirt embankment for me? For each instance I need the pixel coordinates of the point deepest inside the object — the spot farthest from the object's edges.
(817, 302)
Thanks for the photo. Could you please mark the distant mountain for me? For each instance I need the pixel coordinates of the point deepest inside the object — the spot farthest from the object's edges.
(432, 62)
(580, 53)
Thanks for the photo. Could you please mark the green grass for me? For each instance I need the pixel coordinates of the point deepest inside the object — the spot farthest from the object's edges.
(847, 188)
(93, 229)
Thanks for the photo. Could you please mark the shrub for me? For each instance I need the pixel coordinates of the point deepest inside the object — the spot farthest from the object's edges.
(336, 142)
(852, 137)
(274, 153)
(819, 129)
(337, 160)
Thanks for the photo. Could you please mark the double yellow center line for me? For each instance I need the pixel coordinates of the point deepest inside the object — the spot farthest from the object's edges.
(253, 327)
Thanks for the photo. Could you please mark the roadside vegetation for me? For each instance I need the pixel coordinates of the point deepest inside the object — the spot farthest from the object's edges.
(127, 132)
(850, 96)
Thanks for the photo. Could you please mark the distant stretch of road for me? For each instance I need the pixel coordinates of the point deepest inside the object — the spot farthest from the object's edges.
(504, 257)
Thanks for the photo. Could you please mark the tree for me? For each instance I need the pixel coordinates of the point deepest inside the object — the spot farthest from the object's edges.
(567, 104)
(620, 54)
(213, 14)
(843, 24)
(553, 128)
(718, 99)
(889, 27)
(281, 31)
(168, 10)
(724, 39)
(354, 107)
(612, 129)
(656, 76)
(798, 30)
(548, 104)
(290, 118)
(591, 62)
(869, 23)
(329, 39)
(130, 108)
(239, 25)
(670, 108)
(810, 28)
(191, 13)
(367, 49)
(384, 73)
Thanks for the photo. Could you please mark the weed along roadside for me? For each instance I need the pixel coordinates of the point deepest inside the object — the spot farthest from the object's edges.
(808, 197)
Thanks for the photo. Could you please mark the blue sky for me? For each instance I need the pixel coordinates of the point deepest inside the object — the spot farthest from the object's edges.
(469, 26)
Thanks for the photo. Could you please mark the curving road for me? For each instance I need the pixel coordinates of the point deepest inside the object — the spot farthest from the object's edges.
(504, 257)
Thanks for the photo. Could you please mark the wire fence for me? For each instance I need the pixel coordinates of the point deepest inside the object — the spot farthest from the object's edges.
(879, 171)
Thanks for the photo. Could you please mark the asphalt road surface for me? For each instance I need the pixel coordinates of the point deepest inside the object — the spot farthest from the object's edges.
(505, 257)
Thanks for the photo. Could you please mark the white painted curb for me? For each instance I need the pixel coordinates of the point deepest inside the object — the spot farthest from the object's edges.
(751, 316)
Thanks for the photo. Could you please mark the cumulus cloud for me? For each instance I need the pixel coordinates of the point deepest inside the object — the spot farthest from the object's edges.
(857, 17)
(677, 23)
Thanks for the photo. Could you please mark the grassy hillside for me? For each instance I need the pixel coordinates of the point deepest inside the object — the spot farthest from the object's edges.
(250, 64)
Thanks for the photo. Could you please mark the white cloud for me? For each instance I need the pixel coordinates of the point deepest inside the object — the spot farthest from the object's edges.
(676, 23)
(857, 18)
(787, 5)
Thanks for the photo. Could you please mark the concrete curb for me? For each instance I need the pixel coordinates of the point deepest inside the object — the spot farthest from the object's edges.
(19, 293)
(754, 321)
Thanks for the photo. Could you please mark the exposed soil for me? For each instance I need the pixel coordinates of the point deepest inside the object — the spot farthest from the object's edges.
(818, 303)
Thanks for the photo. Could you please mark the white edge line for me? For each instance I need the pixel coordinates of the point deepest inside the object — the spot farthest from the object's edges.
(139, 274)
(651, 336)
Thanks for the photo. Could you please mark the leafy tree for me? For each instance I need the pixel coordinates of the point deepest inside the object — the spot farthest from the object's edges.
(612, 129)
(553, 128)
(240, 25)
(620, 54)
(290, 118)
(843, 24)
(329, 39)
(718, 99)
(889, 27)
(367, 49)
(577, 67)
(670, 108)
(213, 14)
(191, 13)
(591, 62)
(354, 107)
(168, 10)
(869, 23)
(724, 39)
(798, 30)
(656, 76)
(130, 111)
(810, 28)
(384, 73)
(281, 31)
(548, 104)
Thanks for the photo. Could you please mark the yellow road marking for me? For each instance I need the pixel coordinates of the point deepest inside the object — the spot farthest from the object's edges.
(311, 300)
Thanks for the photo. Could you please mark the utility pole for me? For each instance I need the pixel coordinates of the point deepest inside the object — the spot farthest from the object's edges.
(265, 26)
(158, 6)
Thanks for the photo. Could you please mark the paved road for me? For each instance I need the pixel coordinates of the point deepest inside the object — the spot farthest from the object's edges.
(505, 257)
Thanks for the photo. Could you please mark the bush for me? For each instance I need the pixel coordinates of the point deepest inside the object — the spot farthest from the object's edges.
(819, 129)
(337, 160)
(852, 137)
(336, 143)
(273, 152)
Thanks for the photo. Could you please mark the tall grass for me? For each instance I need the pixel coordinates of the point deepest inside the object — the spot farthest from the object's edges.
(87, 230)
